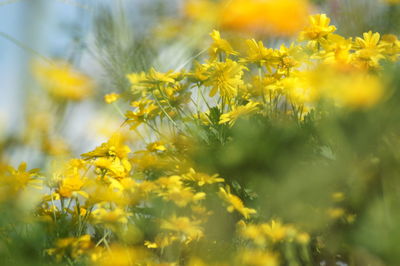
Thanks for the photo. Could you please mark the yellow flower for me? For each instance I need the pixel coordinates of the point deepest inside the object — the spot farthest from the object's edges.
(253, 232)
(106, 190)
(338, 196)
(352, 88)
(358, 91)
(118, 168)
(303, 238)
(252, 257)
(145, 110)
(201, 10)
(183, 196)
(137, 81)
(235, 203)
(257, 53)
(264, 85)
(20, 178)
(391, 46)
(157, 77)
(298, 93)
(73, 246)
(111, 97)
(172, 189)
(136, 78)
(170, 183)
(317, 29)
(369, 41)
(238, 111)
(368, 50)
(275, 231)
(336, 213)
(220, 46)
(110, 217)
(152, 80)
(150, 244)
(280, 17)
(156, 146)
(336, 49)
(201, 178)
(162, 240)
(225, 78)
(189, 228)
(72, 185)
(200, 72)
(114, 147)
(62, 81)
(117, 255)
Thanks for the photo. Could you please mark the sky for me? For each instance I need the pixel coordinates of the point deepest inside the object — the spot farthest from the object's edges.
(40, 26)
(35, 29)
(45, 28)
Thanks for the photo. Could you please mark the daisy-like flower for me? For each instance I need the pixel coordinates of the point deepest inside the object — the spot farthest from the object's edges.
(220, 46)
(237, 112)
(318, 28)
(235, 203)
(225, 78)
(20, 178)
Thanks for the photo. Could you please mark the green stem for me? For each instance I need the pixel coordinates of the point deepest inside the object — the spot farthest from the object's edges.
(165, 112)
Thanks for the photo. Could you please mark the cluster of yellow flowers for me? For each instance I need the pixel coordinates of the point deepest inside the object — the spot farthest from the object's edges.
(257, 79)
(150, 205)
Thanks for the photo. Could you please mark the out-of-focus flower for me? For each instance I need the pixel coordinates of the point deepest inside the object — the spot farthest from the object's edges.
(110, 217)
(172, 189)
(62, 81)
(18, 179)
(111, 97)
(253, 257)
(202, 10)
(235, 203)
(391, 45)
(336, 213)
(190, 229)
(392, 1)
(71, 246)
(56, 146)
(117, 255)
(279, 17)
(156, 146)
(352, 88)
(275, 230)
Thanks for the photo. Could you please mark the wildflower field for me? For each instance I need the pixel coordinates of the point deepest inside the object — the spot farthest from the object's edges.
(206, 132)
